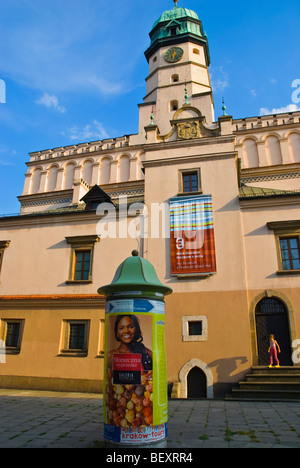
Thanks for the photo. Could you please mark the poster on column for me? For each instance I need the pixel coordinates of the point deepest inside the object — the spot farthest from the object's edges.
(192, 235)
(135, 400)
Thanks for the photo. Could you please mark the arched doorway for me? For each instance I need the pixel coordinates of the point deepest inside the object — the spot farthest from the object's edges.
(196, 383)
(271, 317)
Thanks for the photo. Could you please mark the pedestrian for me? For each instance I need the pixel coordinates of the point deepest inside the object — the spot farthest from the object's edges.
(273, 346)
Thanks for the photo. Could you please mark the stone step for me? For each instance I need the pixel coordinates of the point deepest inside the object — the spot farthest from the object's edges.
(275, 377)
(266, 385)
(269, 384)
(287, 370)
(263, 395)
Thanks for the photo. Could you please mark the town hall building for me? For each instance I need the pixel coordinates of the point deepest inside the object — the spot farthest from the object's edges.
(216, 208)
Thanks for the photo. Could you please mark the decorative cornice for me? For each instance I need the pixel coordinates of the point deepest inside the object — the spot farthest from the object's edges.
(54, 300)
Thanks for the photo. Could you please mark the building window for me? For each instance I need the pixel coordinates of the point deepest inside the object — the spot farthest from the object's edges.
(189, 181)
(173, 106)
(75, 336)
(81, 258)
(290, 253)
(174, 78)
(194, 328)
(287, 241)
(3, 246)
(83, 264)
(11, 335)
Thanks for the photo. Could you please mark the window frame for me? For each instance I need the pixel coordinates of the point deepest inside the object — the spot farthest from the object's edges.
(3, 334)
(285, 230)
(81, 244)
(186, 320)
(182, 173)
(289, 248)
(3, 245)
(65, 348)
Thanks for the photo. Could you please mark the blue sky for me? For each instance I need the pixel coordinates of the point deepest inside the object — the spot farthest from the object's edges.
(75, 70)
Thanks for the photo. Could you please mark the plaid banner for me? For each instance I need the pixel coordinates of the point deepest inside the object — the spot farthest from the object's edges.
(192, 235)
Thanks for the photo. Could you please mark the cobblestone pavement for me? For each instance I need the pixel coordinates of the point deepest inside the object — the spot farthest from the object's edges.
(69, 420)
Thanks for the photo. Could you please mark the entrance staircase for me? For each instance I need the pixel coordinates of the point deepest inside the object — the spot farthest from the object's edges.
(269, 384)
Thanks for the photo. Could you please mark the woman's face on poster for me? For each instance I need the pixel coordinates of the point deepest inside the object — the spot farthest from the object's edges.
(126, 330)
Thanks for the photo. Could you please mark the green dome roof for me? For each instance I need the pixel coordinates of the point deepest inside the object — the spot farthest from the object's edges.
(136, 274)
(175, 27)
(176, 13)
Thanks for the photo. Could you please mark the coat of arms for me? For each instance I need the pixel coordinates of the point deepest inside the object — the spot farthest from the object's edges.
(188, 130)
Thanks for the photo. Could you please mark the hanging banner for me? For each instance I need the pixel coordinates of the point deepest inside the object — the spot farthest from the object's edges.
(136, 400)
(192, 235)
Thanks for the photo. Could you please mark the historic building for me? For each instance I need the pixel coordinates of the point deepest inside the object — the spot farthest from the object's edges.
(226, 193)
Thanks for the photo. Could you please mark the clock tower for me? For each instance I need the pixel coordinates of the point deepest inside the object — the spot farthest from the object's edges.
(178, 58)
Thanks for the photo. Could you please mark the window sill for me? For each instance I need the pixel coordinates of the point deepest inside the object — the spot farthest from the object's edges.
(196, 192)
(12, 350)
(79, 281)
(194, 338)
(184, 276)
(72, 353)
(288, 272)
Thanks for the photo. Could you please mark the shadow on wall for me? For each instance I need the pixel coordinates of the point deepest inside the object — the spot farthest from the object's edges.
(226, 368)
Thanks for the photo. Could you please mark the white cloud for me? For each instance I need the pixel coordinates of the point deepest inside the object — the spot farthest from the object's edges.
(93, 131)
(273, 81)
(219, 79)
(51, 101)
(280, 110)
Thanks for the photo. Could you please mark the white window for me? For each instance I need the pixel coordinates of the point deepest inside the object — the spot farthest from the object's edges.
(194, 328)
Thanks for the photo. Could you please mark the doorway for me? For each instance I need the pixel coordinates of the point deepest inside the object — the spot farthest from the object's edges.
(196, 383)
(271, 317)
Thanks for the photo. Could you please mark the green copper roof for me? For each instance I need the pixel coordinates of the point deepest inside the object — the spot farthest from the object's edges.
(175, 14)
(177, 26)
(187, 20)
(247, 192)
(137, 275)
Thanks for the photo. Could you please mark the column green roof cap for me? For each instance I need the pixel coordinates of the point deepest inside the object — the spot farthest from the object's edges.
(135, 274)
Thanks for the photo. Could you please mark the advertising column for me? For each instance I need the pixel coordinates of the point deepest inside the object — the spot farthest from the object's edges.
(135, 370)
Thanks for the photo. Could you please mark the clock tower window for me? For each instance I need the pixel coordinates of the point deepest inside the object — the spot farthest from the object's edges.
(173, 106)
(174, 78)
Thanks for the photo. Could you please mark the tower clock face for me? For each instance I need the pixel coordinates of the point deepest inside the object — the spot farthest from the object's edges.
(173, 55)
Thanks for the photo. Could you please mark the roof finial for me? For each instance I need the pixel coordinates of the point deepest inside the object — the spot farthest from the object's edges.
(186, 96)
(223, 107)
(176, 1)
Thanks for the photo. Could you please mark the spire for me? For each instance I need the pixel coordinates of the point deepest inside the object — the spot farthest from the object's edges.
(223, 107)
(186, 96)
(175, 1)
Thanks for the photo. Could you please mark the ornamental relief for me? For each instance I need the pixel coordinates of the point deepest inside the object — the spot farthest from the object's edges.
(188, 130)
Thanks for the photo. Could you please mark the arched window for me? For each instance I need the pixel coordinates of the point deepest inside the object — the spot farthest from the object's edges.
(250, 153)
(175, 78)
(87, 172)
(69, 176)
(124, 169)
(105, 171)
(36, 180)
(52, 179)
(273, 150)
(294, 145)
